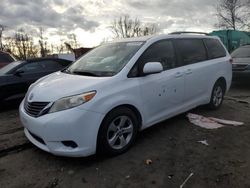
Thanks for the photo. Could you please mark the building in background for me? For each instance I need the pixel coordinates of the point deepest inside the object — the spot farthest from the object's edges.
(232, 39)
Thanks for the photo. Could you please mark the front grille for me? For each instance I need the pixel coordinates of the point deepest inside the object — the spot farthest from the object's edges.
(34, 108)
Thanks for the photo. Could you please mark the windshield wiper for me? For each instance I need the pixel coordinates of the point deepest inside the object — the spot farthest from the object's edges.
(85, 73)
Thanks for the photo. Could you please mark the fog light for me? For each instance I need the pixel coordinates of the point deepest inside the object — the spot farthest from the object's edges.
(69, 143)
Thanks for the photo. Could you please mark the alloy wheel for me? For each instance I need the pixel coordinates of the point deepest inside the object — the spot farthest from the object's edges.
(217, 96)
(120, 132)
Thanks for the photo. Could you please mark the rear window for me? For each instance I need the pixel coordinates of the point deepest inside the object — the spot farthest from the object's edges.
(215, 48)
(5, 58)
(191, 50)
(242, 52)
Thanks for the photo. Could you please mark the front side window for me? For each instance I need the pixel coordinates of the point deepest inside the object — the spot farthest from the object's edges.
(51, 65)
(106, 60)
(215, 49)
(163, 52)
(31, 67)
(191, 50)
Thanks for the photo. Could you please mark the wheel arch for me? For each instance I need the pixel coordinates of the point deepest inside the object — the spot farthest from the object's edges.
(223, 81)
(130, 106)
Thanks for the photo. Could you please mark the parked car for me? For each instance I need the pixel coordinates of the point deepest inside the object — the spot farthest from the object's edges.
(16, 77)
(241, 63)
(5, 59)
(100, 102)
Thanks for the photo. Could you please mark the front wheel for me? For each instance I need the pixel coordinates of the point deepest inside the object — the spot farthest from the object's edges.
(217, 96)
(117, 132)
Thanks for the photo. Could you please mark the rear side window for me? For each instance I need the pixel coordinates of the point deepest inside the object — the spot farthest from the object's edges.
(162, 51)
(215, 49)
(191, 50)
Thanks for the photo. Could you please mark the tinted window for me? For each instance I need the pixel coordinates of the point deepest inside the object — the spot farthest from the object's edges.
(242, 52)
(51, 65)
(32, 68)
(162, 52)
(5, 58)
(215, 49)
(191, 50)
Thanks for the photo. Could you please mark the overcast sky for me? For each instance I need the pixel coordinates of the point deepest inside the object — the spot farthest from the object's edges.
(90, 19)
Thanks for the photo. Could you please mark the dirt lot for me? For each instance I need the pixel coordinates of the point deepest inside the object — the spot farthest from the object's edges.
(171, 145)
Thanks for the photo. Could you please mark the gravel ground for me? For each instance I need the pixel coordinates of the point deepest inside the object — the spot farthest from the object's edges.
(172, 146)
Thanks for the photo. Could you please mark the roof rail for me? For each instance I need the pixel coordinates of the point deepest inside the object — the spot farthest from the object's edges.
(188, 32)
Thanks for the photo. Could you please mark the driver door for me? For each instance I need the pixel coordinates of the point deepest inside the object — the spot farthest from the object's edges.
(162, 93)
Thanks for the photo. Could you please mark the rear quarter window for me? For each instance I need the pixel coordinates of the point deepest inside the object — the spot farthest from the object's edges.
(215, 48)
(191, 50)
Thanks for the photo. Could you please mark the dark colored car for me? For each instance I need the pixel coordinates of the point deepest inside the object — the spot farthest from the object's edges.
(16, 77)
(241, 64)
(5, 59)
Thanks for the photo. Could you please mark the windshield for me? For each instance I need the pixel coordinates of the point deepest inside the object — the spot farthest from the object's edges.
(242, 52)
(106, 60)
(9, 67)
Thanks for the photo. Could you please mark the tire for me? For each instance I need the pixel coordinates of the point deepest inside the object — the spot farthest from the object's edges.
(217, 95)
(117, 132)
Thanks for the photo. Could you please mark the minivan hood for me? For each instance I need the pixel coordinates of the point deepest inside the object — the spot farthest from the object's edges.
(58, 85)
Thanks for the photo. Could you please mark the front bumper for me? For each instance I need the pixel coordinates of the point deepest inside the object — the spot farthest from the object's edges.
(48, 132)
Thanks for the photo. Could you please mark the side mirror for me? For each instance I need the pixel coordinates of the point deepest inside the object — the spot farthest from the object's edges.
(18, 72)
(152, 68)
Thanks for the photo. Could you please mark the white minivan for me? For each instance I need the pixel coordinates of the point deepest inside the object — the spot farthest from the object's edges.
(100, 102)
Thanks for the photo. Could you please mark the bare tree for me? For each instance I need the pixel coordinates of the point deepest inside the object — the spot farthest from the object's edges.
(232, 14)
(43, 43)
(24, 45)
(72, 40)
(2, 27)
(125, 27)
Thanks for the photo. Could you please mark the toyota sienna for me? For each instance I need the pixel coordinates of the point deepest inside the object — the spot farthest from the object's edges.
(100, 102)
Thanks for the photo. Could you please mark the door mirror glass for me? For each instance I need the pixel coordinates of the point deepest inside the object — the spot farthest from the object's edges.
(152, 68)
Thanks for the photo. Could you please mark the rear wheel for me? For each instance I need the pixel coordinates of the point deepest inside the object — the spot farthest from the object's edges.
(217, 95)
(117, 132)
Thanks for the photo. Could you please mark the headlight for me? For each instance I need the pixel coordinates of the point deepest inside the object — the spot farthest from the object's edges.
(71, 102)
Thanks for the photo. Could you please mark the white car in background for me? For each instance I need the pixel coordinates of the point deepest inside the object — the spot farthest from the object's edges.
(102, 100)
(241, 63)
